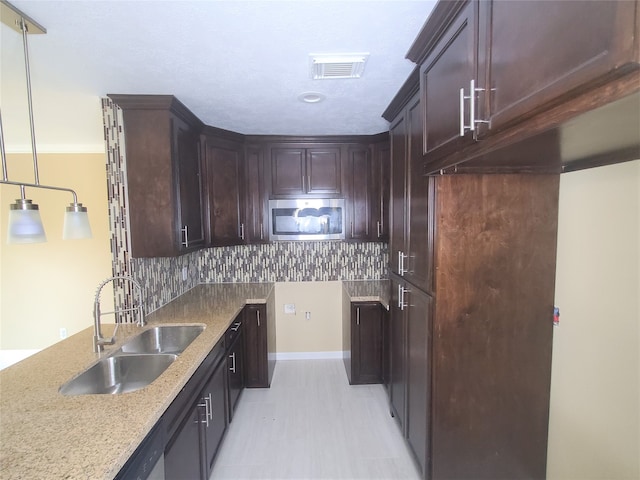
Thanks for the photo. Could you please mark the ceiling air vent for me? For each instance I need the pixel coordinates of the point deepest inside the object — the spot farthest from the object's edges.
(349, 65)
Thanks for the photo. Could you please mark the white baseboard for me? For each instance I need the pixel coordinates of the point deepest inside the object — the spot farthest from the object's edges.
(309, 355)
(9, 357)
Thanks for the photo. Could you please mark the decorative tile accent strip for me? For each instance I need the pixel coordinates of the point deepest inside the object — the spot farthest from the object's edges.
(294, 262)
(117, 199)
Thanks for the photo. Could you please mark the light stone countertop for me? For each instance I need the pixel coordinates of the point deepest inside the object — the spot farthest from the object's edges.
(368, 291)
(46, 435)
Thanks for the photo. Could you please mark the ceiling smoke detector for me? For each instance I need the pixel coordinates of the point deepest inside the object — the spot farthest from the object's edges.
(330, 65)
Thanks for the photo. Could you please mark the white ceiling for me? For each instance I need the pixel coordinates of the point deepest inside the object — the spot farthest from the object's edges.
(238, 65)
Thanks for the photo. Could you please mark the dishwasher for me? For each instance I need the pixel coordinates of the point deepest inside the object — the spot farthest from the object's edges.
(147, 462)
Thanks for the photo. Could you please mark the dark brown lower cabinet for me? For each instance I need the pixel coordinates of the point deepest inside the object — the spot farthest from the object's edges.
(235, 366)
(197, 420)
(363, 353)
(215, 422)
(259, 333)
(182, 457)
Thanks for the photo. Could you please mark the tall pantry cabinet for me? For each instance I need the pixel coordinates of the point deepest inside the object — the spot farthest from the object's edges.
(472, 260)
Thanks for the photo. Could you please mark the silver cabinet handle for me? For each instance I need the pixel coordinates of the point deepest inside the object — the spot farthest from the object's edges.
(232, 369)
(379, 228)
(261, 232)
(462, 126)
(258, 316)
(185, 233)
(401, 257)
(472, 105)
(357, 315)
(210, 411)
(401, 301)
(242, 231)
(352, 235)
(208, 415)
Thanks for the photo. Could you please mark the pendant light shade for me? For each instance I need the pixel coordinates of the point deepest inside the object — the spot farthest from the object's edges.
(76, 223)
(25, 225)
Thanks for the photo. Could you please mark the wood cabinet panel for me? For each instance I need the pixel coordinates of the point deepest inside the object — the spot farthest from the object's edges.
(258, 364)
(398, 204)
(235, 369)
(288, 171)
(225, 192)
(451, 65)
(215, 393)
(561, 47)
(182, 456)
(364, 363)
(361, 194)
(324, 172)
(398, 342)
(186, 143)
(307, 170)
(382, 167)
(256, 230)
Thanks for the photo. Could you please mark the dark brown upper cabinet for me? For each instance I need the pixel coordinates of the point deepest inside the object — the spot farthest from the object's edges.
(536, 56)
(516, 74)
(225, 189)
(382, 169)
(313, 171)
(256, 227)
(163, 175)
(362, 195)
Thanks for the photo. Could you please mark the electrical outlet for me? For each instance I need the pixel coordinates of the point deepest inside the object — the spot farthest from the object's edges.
(185, 271)
(63, 333)
(290, 308)
(307, 315)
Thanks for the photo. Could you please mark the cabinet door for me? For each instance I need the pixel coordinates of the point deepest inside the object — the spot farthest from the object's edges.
(324, 171)
(451, 66)
(383, 168)
(256, 356)
(235, 368)
(288, 171)
(419, 316)
(362, 194)
(190, 199)
(255, 228)
(418, 241)
(215, 394)
(398, 203)
(366, 342)
(398, 336)
(560, 45)
(225, 193)
(386, 350)
(182, 456)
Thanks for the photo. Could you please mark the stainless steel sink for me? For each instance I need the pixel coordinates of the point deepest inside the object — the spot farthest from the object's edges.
(162, 339)
(119, 374)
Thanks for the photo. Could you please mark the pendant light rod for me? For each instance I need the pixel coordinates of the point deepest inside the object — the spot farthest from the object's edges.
(25, 43)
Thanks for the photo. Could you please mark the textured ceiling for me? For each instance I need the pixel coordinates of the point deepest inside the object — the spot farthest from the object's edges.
(238, 65)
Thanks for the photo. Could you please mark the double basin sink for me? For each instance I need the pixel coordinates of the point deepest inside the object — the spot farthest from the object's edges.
(137, 363)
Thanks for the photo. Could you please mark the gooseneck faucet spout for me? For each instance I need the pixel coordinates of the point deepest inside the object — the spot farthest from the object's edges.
(98, 340)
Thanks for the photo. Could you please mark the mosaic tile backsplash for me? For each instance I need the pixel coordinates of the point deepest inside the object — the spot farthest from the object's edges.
(162, 278)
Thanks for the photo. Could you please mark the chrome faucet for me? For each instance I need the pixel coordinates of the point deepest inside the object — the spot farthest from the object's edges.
(98, 340)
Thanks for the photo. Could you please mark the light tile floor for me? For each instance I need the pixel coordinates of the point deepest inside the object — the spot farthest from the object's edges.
(311, 424)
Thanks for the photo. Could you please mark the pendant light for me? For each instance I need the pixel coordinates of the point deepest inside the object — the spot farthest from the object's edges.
(25, 225)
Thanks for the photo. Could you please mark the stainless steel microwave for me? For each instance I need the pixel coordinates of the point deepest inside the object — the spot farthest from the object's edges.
(307, 219)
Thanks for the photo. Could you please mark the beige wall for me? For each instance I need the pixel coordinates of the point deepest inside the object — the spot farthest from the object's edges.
(48, 286)
(594, 426)
(323, 331)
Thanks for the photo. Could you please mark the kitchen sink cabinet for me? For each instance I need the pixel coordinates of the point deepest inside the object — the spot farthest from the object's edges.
(363, 337)
(163, 168)
(225, 188)
(259, 332)
(307, 170)
(182, 455)
(197, 419)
